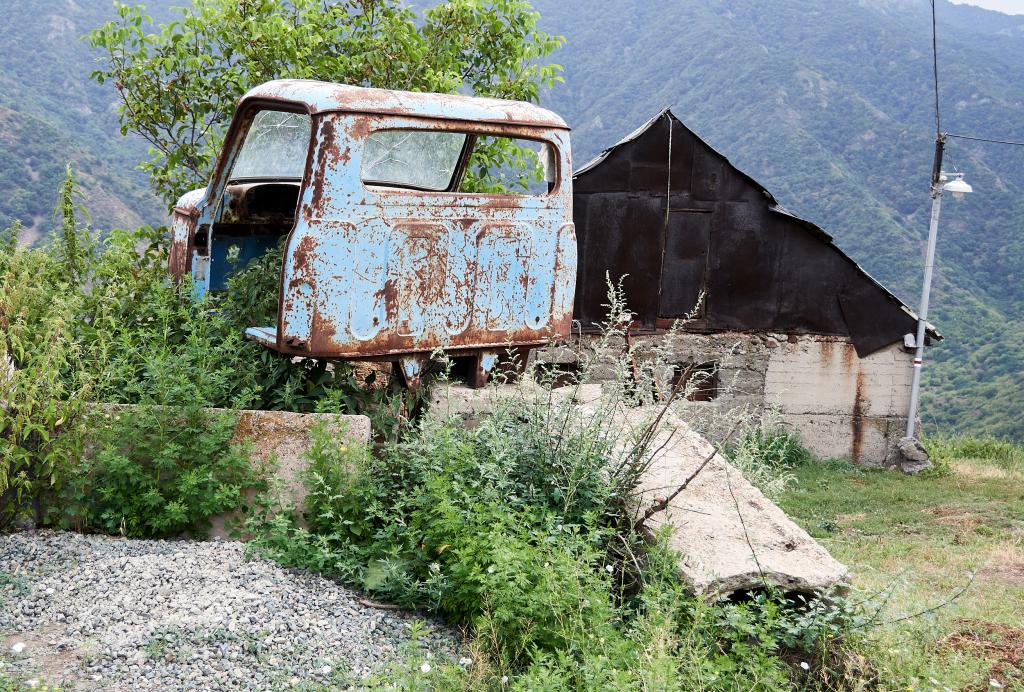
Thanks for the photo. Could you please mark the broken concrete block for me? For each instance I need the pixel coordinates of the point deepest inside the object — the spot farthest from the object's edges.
(730, 536)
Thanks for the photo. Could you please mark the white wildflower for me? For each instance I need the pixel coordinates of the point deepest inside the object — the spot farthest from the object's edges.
(490, 570)
(465, 662)
(805, 665)
(326, 670)
(609, 569)
(425, 667)
(18, 647)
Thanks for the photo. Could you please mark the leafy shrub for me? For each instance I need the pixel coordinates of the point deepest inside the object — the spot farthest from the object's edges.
(158, 472)
(515, 527)
(41, 392)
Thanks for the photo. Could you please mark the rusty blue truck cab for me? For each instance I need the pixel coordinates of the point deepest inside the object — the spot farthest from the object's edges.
(411, 222)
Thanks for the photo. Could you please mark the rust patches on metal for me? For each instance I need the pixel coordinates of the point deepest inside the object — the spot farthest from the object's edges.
(360, 129)
(490, 202)
(303, 256)
(323, 332)
(390, 295)
(328, 156)
(391, 343)
(857, 421)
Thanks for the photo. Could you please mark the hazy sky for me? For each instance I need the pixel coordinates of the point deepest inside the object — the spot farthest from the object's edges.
(1008, 6)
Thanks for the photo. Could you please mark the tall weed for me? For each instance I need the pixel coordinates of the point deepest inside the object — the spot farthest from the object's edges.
(42, 391)
(766, 455)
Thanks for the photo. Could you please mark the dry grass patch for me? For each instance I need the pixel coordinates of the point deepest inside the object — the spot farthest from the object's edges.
(955, 516)
(975, 470)
(1002, 646)
(1005, 564)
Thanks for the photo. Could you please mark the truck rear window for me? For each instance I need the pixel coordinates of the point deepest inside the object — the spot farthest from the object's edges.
(417, 159)
(429, 160)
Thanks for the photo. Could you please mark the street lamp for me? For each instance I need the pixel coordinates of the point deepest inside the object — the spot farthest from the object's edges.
(958, 187)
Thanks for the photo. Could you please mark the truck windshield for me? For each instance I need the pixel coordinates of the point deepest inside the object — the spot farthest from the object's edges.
(417, 159)
(275, 147)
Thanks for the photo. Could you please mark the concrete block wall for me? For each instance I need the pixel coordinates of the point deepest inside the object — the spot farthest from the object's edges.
(842, 406)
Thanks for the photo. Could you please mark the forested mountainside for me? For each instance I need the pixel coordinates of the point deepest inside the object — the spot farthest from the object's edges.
(827, 104)
(830, 106)
(51, 114)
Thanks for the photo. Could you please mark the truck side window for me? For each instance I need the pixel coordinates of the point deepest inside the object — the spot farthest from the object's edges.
(274, 148)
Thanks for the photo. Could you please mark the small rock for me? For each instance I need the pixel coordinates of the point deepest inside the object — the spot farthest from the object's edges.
(913, 456)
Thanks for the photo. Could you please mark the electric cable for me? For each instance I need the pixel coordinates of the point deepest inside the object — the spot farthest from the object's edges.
(984, 139)
(938, 120)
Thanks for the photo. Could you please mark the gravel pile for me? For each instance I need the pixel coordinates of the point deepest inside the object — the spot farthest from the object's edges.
(93, 612)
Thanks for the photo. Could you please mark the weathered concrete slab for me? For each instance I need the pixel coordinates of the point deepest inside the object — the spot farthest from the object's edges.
(731, 537)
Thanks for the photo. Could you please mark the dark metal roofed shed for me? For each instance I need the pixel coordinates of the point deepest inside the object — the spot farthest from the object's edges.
(678, 220)
(319, 97)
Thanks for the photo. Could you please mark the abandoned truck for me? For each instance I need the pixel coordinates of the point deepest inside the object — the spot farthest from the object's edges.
(409, 221)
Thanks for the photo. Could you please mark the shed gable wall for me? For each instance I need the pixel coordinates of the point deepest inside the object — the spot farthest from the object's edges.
(700, 225)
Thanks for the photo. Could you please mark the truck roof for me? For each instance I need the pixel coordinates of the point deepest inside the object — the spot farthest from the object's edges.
(320, 97)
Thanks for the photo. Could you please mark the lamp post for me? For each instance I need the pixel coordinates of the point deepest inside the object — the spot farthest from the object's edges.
(940, 183)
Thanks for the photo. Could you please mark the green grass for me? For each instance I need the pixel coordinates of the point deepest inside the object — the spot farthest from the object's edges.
(919, 542)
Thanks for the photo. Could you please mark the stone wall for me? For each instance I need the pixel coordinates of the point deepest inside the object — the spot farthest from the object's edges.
(841, 405)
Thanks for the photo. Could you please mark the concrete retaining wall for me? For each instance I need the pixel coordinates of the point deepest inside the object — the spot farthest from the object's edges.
(284, 438)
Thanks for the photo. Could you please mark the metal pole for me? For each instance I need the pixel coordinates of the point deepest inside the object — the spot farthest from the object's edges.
(922, 314)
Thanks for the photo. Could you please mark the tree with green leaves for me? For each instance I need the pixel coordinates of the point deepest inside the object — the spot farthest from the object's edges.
(179, 83)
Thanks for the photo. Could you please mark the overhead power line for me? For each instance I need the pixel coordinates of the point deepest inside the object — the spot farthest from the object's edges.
(939, 135)
(984, 139)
